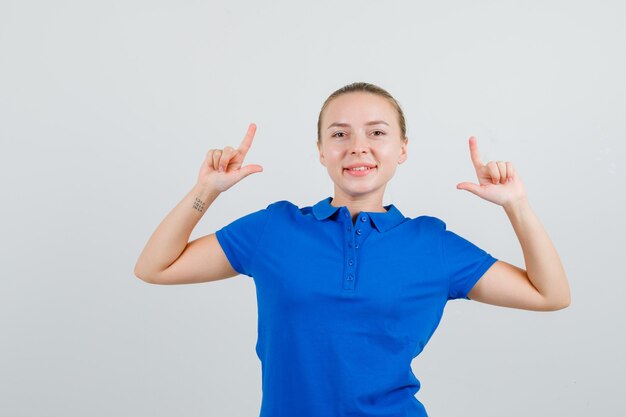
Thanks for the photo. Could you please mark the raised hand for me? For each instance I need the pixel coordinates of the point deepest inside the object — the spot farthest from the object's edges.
(497, 181)
(222, 168)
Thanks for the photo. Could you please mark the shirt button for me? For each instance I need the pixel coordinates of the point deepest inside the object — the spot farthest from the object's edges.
(358, 231)
(364, 218)
(350, 262)
(350, 277)
(356, 246)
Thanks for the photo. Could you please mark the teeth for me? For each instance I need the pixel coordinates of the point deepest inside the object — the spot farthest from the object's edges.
(360, 169)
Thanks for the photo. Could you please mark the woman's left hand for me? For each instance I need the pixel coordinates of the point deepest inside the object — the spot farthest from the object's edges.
(497, 181)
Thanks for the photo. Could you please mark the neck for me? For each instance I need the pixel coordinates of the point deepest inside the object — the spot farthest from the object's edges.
(372, 203)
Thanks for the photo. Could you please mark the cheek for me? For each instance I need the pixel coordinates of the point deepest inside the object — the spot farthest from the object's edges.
(382, 152)
(390, 151)
(333, 155)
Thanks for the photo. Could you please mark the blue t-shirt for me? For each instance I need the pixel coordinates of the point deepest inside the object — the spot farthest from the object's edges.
(344, 308)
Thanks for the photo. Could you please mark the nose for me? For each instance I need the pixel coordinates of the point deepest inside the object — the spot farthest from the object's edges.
(359, 145)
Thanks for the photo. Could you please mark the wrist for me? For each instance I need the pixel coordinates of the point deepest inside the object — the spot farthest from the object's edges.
(204, 193)
(516, 206)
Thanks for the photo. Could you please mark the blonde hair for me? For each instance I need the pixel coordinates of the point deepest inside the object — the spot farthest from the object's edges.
(365, 88)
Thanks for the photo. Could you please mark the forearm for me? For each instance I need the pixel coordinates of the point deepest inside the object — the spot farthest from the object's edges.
(543, 265)
(172, 235)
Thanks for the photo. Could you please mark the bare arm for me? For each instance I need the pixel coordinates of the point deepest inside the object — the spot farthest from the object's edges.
(543, 286)
(169, 242)
(168, 258)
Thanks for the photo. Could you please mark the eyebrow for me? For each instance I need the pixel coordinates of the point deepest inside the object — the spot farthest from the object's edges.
(373, 122)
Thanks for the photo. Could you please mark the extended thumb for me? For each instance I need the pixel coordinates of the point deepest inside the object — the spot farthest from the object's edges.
(250, 169)
(469, 186)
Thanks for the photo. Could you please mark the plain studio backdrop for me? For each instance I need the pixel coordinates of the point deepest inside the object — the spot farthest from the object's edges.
(107, 110)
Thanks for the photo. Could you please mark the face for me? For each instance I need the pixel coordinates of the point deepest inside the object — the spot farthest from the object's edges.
(361, 129)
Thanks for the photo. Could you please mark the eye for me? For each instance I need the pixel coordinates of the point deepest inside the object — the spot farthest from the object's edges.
(378, 133)
(338, 135)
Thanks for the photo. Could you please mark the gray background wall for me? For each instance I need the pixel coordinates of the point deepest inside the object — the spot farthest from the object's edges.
(107, 109)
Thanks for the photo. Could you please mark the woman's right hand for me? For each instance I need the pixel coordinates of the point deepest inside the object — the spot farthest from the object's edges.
(222, 168)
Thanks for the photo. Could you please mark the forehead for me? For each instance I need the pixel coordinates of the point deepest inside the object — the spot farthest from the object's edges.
(358, 107)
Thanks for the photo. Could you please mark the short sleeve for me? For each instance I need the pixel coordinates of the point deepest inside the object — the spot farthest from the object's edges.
(241, 238)
(464, 262)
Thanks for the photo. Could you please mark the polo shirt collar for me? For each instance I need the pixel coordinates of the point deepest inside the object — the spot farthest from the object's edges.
(382, 221)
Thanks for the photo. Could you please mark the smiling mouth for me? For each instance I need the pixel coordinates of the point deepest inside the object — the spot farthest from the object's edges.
(360, 171)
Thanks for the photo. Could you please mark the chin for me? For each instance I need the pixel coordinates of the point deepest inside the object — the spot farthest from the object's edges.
(361, 191)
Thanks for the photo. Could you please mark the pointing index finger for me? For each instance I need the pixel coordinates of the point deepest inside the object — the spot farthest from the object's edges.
(247, 140)
(474, 154)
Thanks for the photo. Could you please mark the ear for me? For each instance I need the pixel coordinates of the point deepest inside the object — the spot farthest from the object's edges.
(403, 155)
(319, 148)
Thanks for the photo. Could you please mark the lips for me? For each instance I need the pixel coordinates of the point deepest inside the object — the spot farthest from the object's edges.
(360, 172)
(361, 164)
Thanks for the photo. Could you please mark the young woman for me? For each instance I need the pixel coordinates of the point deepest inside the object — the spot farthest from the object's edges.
(349, 291)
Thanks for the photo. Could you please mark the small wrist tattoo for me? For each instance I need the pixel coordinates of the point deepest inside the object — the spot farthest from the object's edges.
(198, 205)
